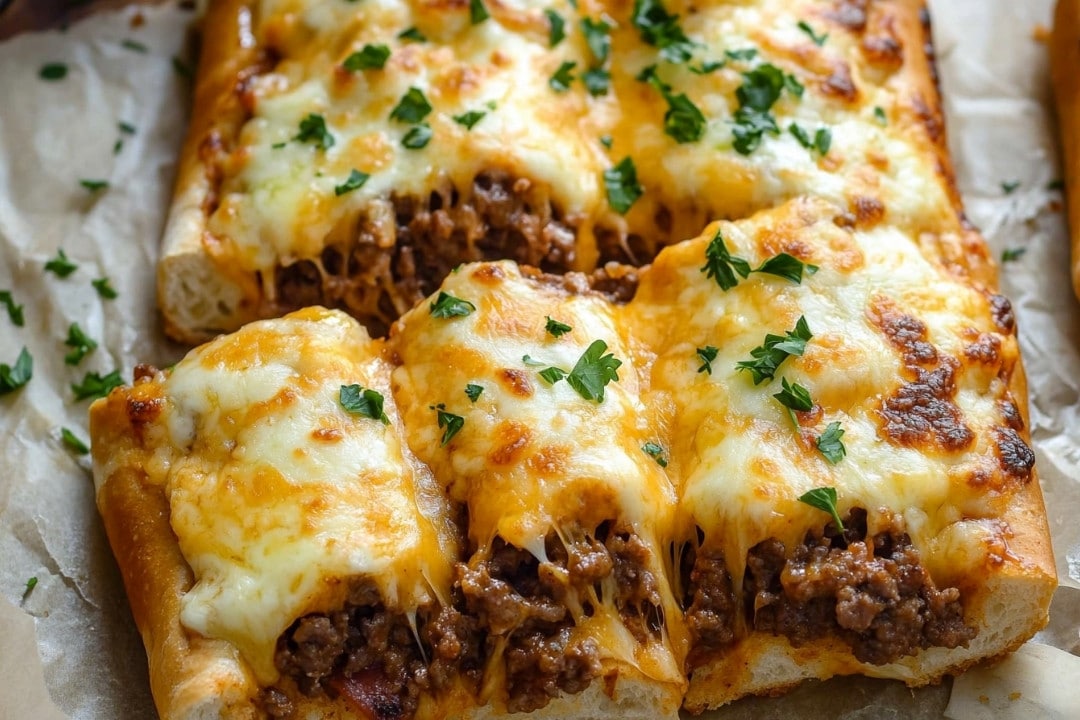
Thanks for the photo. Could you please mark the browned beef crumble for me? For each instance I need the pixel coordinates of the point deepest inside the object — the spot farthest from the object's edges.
(873, 593)
(365, 640)
(711, 606)
(520, 600)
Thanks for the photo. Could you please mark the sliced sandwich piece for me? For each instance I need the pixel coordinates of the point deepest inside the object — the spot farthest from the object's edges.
(848, 433)
(283, 551)
(521, 394)
(351, 154)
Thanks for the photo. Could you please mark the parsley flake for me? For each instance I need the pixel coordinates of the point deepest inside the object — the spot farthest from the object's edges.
(470, 118)
(741, 55)
(721, 265)
(134, 45)
(707, 354)
(819, 40)
(556, 328)
(95, 386)
(593, 371)
(412, 108)
(473, 391)
(830, 445)
(556, 27)
(824, 499)
(370, 57)
(453, 423)
(775, 350)
(597, 81)
(313, 130)
(14, 377)
(656, 452)
(760, 90)
(552, 374)
(622, 185)
(15, 312)
(359, 400)
(53, 71)
(560, 81)
(661, 30)
(1010, 187)
(412, 34)
(598, 37)
(448, 306)
(126, 128)
(794, 397)
(879, 115)
(94, 185)
(118, 146)
(76, 445)
(1012, 254)
(60, 265)
(477, 12)
(786, 266)
(81, 345)
(417, 137)
(30, 585)
(181, 68)
(606, 141)
(819, 143)
(706, 67)
(355, 181)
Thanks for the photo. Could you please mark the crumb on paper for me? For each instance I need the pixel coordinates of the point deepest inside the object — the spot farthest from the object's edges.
(984, 700)
(1040, 33)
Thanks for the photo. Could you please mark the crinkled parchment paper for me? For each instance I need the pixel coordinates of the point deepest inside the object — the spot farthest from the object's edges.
(54, 134)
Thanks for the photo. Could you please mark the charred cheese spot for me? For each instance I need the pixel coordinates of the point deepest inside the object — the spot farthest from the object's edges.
(986, 349)
(1002, 312)
(905, 332)
(516, 381)
(1017, 459)
(922, 412)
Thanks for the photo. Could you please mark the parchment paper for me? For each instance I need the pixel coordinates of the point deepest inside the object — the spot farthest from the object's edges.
(54, 134)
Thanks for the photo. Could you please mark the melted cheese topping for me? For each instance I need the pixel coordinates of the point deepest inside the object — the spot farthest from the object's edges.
(277, 197)
(742, 464)
(279, 496)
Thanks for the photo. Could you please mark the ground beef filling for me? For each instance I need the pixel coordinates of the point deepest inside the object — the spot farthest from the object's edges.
(403, 247)
(524, 604)
(710, 603)
(371, 656)
(872, 592)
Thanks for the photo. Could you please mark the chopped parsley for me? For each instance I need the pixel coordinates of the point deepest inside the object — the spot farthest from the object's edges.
(593, 371)
(53, 71)
(622, 185)
(820, 142)
(741, 55)
(760, 90)
(794, 397)
(1010, 187)
(118, 146)
(556, 328)
(448, 306)
(879, 115)
(706, 67)
(1054, 185)
(104, 289)
(661, 30)
(74, 443)
(473, 391)
(79, 342)
(824, 499)
(13, 377)
(683, 121)
(126, 128)
(313, 130)
(359, 400)
(477, 12)
(355, 181)
(1012, 254)
(417, 137)
(707, 354)
(134, 45)
(181, 68)
(31, 584)
(606, 141)
(370, 57)
(96, 386)
(530, 361)
(412, 34)
(412, 108)
(819, 40)
(656, 452)
(723, 266)
(470, 118)
(560, 81)
(60, 265)
(830, 445)
(453, 423)
(597, 81)
(598, 37)
(15, 312)
(775, 350)
(552, 374)
(556, 27)
(94, 185)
